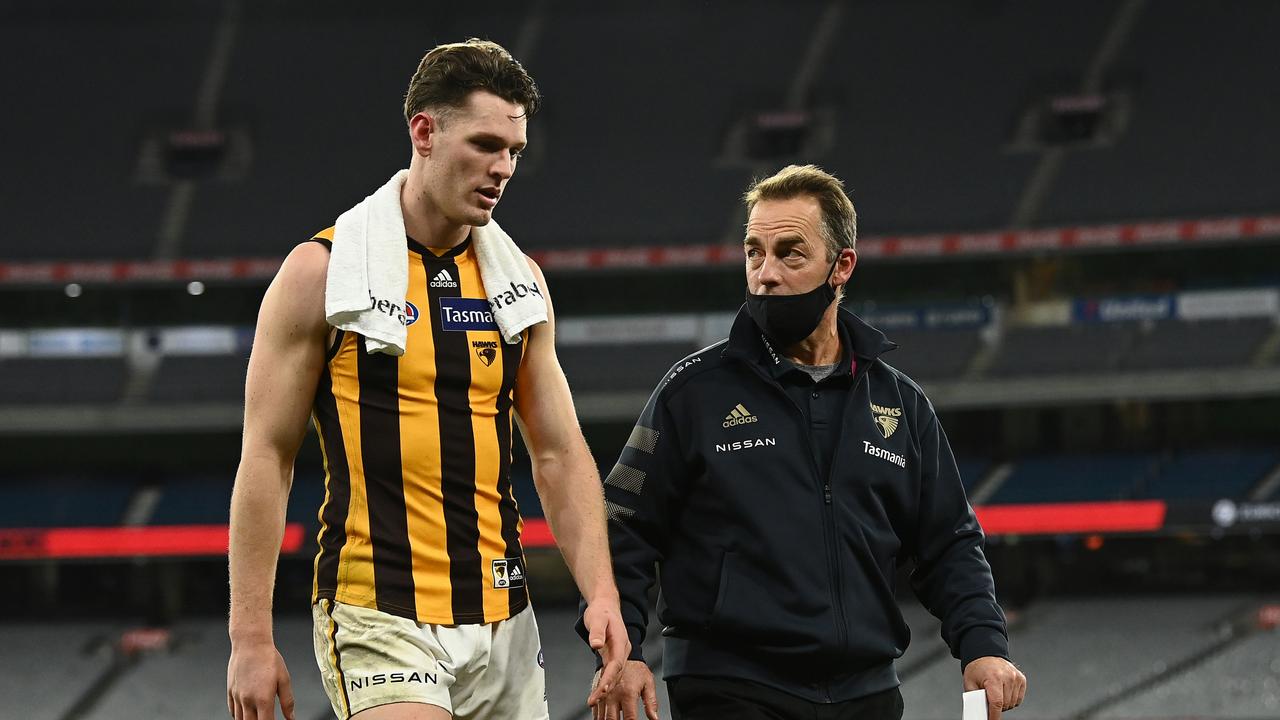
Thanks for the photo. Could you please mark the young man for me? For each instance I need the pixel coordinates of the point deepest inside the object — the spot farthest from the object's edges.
(776, 479)
(420, 605)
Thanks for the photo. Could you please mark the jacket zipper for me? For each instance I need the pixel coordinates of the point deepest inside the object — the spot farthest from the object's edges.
(828, 519)
(839, 577)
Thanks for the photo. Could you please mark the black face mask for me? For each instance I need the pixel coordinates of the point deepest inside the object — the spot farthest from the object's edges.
(788, 319)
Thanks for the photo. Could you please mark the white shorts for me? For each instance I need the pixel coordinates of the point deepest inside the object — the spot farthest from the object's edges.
(369, 658)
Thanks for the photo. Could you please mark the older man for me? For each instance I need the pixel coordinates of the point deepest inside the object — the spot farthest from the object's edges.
(773, 483)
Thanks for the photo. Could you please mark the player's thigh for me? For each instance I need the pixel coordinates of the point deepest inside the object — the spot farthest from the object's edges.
(512, 685)
(369, 660)
(403, 711)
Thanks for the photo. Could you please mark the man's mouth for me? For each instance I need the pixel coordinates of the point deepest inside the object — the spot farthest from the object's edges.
(489, 196)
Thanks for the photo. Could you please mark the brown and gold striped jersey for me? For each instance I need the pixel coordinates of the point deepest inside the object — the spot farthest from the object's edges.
(419, 519)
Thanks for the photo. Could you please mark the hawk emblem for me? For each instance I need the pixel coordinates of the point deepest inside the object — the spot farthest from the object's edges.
(887, 425)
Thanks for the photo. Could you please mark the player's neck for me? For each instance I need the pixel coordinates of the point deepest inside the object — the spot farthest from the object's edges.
(424, 223)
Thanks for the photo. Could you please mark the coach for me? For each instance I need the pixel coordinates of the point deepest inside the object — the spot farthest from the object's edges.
(773, 484)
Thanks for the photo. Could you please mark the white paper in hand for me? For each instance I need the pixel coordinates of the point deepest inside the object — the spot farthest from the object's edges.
(975, 705)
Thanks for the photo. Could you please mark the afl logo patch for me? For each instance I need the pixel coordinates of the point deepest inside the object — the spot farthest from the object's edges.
(410, 313)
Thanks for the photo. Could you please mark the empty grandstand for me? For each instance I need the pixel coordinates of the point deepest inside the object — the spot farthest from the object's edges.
(1069, 218)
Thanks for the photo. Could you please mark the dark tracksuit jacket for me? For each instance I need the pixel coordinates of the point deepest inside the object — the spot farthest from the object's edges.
(769, 571)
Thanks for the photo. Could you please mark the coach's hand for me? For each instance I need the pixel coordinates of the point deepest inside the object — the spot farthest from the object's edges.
(620, 702)
(607, 635)
(1004, 683)
(255, 676)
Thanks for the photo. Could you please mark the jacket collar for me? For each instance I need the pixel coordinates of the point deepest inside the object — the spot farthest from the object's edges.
(747, 343)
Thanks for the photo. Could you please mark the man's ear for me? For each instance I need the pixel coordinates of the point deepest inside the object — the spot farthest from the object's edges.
(422, 132)
(845, 265)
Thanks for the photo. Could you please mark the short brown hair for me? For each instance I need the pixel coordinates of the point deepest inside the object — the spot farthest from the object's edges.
(450, 73)
(839, 219)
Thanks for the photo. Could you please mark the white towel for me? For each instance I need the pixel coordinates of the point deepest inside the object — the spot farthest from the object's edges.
(369, 274)
(514, 295)
(369, 270)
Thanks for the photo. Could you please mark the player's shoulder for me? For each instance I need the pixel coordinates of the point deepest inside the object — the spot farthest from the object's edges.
(308, 262)
(317, 246)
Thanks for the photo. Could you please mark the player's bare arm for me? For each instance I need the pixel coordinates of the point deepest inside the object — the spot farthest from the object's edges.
(284, 367)
(569, 486)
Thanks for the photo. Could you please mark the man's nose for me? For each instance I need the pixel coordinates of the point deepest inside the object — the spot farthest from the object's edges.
(768, 273)
(504, 167)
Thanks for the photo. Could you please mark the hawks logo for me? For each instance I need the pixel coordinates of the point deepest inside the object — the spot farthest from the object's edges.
(486, 350)
(886, 419)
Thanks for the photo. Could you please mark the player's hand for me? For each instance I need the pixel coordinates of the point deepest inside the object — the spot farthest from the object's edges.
(1004, 683)
(256, 675)
(619, 703)
(607, 635)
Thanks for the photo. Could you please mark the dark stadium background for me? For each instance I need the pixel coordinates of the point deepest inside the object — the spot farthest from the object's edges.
(1068, 212)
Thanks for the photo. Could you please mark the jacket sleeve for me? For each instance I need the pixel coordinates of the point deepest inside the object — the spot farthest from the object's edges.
(952, 577)
(638, 494)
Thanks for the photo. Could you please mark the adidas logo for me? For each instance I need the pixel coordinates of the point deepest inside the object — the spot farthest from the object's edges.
(739, 416)
(443, 280)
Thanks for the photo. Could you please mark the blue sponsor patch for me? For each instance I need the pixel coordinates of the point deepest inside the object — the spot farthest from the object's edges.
(462, 314)
(410, 313)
